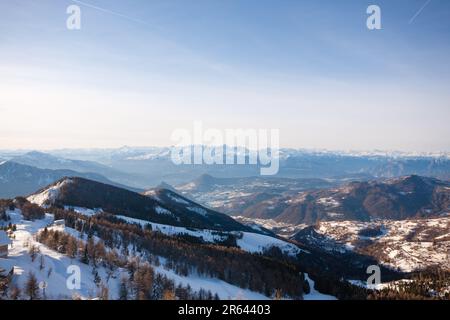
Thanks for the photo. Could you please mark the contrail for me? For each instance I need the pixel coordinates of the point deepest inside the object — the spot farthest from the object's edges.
(419, 12)
(118, 14)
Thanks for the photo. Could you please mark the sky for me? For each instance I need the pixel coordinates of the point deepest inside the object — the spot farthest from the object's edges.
(138, 70)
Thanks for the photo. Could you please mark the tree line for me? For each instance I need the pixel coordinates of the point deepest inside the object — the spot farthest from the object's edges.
(256, 272)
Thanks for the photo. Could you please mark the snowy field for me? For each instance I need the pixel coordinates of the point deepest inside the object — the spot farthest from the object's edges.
(54, 273)
(54, 266)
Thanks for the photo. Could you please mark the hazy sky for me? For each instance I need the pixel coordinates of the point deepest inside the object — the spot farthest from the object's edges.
(139, 69)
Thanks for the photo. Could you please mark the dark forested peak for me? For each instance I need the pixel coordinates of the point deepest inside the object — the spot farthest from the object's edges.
(160, 205)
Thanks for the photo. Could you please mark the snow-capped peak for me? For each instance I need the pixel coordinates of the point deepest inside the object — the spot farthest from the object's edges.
(49, 195)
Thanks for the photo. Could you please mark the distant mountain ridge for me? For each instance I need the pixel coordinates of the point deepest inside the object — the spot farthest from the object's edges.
(21, 180)
(47, 161)
(397, 198)
(147, 167)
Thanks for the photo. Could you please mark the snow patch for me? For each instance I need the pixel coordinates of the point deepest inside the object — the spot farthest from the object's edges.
(49, 195)
(161, 210)
(198, 210)
(207, 235)
(258, 243)
(84, 211)
(177, 199)
(314, 294)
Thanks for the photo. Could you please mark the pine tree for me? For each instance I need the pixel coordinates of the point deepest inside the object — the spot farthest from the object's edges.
(97, 278)
(85, 258)
(32, 287)
(158, 287)
(104, 292)
(123, 289)
(33, 251)
(143, 281)
(278, 295)
(14, 293)
(90, 246)
(169, 295)
(72, 247)
(41, 262)
(100, 251)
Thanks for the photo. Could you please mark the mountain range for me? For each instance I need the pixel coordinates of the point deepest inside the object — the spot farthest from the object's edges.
(147, 166)
(399, 223)
(21, 180)
(396, 198)
(47, 161)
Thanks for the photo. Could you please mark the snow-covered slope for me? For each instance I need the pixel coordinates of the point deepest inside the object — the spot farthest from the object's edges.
(206, 235)
(247, 241)
(54, 271)
(257, 243)
(224, 290)
(48, 195)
